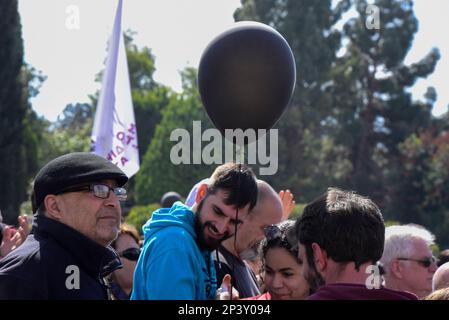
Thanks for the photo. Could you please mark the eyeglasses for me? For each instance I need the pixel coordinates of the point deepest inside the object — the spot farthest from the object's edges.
(286, 239)
(130, 254)
(426, 262)
(101, 191)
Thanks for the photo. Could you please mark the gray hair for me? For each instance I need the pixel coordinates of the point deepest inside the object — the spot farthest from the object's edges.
(399, 242)
(440, 278)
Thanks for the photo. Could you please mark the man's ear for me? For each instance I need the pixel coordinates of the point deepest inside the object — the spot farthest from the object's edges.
(200, 193)
(396, 269)
(319, 257)
(53, 207)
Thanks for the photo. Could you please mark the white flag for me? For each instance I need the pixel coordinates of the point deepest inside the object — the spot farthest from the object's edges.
(114, 134)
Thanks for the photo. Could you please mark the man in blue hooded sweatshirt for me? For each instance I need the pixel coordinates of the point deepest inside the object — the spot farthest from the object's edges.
(176, 262)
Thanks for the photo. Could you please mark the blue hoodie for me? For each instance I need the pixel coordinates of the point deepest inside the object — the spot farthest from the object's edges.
(171, 265)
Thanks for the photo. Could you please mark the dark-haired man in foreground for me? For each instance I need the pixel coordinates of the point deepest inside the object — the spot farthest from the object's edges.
(341, 238)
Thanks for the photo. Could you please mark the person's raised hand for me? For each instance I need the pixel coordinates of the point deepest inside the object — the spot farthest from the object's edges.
(12, 237)
(24, 229)
(288, 204)
(11, 240)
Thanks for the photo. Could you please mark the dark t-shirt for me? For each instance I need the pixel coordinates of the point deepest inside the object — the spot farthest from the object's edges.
(243, 278)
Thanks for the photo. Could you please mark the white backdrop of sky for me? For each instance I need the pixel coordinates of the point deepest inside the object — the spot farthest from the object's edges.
(177, 31)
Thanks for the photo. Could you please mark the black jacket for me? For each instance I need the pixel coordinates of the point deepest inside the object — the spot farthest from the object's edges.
(47, 265)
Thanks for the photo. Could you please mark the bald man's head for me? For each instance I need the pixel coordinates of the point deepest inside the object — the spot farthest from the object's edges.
(268, 211)
(440, 278)
(268, 203)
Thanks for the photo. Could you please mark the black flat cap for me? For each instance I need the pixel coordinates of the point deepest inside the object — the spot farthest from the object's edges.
(70, 170)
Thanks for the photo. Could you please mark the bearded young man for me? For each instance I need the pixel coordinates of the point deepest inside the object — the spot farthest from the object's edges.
(176, 261)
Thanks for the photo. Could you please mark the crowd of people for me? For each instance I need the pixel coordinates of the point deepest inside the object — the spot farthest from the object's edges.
(232, 238)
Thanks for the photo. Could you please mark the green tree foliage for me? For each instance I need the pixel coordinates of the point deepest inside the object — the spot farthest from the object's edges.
(75, 117)
(307, 26)
(425, 179)
(139, 215)
(149, 97)
(157, 174)
(372, 105)
(71, 131)
(352, 121)
(18, 142)
(380, 120)
(46, 141)
(297, 211)
(32, 124)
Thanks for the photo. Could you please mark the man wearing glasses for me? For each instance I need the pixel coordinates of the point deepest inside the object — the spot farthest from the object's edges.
(408, 260)
(76, 202)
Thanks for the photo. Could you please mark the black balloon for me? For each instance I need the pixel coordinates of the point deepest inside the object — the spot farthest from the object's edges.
(246, 77)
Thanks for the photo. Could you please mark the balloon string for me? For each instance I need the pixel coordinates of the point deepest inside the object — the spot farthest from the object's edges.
(235, 228)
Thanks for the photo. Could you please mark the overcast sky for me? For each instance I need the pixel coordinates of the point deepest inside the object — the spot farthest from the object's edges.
(177, 31)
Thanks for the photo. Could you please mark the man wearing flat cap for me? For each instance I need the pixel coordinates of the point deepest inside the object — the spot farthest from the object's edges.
(76, 202)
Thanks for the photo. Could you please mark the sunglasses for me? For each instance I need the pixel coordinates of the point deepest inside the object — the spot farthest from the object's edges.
(130, 254)
(426, 262)
(101, 191)
(285, 238)
(272, 232)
